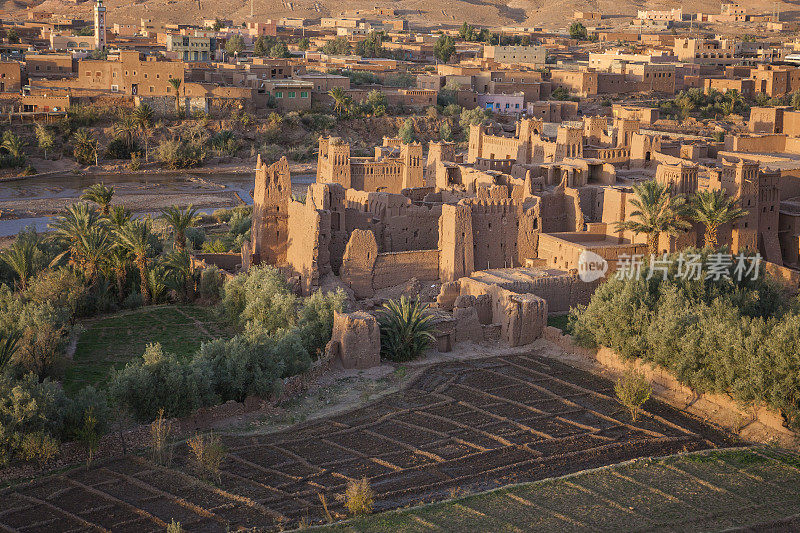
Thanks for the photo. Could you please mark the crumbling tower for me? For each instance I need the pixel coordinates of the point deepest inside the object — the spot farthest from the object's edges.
(273, 189)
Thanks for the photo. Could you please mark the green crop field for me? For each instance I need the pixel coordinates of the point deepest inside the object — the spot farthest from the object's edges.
(112, 341)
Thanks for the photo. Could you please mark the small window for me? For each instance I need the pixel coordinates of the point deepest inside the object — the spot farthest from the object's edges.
(278, 94)
(291, 94)
(303, 94)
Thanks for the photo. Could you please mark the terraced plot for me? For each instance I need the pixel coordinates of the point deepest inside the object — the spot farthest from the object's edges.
(470, 426)
(756, 490)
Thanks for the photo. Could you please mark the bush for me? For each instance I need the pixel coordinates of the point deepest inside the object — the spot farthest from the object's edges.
(39, 446)
(315, 324)
(178, 153)
(240, 368)
(159, 381)
(406, 329)
(195, 237)
(207, 454)
(359, 499)
(632, 390)
(35, 415)
(211, 282)
(259, 300)
(728, 336)
(160, 433)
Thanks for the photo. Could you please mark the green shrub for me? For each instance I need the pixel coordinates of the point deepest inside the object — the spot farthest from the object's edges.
(240, 368)
(406, 329)
(724, 336)
(211, 282)
(159, 381)
(632, 390)
(259, 300)
(195, 237)
(40, 409)
(315, 324)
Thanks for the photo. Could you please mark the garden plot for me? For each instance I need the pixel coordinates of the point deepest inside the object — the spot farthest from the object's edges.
(461, 427)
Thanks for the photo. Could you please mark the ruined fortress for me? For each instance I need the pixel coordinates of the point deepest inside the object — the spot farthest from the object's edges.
(501, 227)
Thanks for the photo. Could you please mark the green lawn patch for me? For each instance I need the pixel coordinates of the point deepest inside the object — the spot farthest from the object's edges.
(558, 321)
(707, 491)
(110, 342)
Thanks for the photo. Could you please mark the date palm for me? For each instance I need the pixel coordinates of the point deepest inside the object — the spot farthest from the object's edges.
(74, 230)
(101, 195)
(179, 275)
(134, 237)
(126, 129)
(20, 258)
(118, 216)
(340, 100)
(714, 208)
(180, 220)
(119, 260)
(406, 329)
(657, 211)
(143, 117)
(176, 85)
(86, 147)
(13, 145)
(8, 347)
(94, 247)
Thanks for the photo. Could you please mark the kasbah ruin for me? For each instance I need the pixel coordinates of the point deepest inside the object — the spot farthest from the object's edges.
(372, 266)
(501, 227)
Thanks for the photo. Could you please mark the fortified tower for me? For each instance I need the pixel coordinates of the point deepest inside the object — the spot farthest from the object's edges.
(273, 189)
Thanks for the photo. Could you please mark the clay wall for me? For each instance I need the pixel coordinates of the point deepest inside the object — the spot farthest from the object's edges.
(273, 189)
(393, 268)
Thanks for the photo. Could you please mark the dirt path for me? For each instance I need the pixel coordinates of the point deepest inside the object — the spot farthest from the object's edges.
(460, 426)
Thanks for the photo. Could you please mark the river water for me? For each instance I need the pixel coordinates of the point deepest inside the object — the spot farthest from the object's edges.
(70, 186)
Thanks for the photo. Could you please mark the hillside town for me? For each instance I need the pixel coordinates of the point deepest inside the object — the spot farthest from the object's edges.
(360, 273)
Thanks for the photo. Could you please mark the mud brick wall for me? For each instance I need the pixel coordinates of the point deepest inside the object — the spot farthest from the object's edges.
(395, 268)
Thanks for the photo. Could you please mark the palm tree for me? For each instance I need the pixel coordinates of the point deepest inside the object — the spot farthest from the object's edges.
(119, 216)
(657, 211)
(126, 129)
(406, 329)
(180, 221)
(176, 84)
(143, 117)
(20, 258)
(101, 195)
(69, 229)
(134, 237)
(178, 267)
(341, 101)
(118, 262)
(8, 347)
(86, 146)
(714, 208)
(13, 145)
(94, 247)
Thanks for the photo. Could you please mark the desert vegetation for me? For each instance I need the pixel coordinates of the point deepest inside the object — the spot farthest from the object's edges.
(727, 335)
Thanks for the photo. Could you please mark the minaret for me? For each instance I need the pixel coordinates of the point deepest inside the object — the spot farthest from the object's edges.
(99, 26)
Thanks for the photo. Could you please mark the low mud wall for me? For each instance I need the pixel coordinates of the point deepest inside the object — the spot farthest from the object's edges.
(756, 422)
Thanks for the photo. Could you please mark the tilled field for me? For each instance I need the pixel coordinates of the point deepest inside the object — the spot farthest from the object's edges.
(460, 427)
